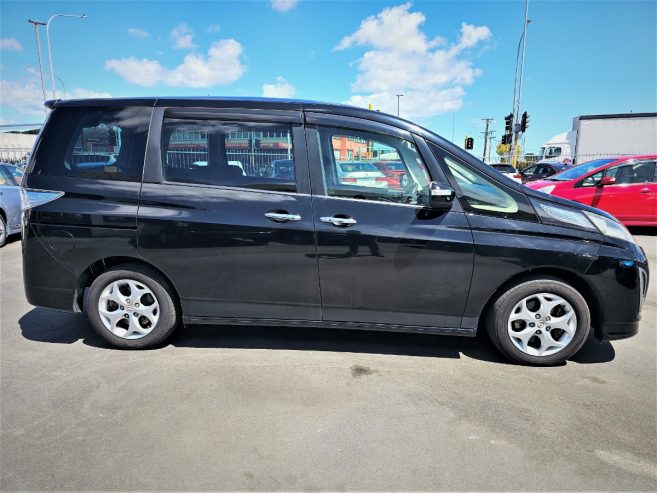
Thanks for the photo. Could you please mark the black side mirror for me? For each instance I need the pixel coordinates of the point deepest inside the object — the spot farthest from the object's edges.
(441, 196)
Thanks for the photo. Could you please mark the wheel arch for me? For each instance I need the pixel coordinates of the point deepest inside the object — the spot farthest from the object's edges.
(569, 277)
(100, 266)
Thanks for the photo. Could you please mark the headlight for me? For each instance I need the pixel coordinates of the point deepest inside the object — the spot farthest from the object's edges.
(560, 216)
(609, 227)
(547, 189)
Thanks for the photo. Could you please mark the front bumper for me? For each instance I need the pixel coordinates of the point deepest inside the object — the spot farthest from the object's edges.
(619, 277)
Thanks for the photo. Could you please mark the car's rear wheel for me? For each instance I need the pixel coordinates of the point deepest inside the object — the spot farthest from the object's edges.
(539, 321)
(132, 307)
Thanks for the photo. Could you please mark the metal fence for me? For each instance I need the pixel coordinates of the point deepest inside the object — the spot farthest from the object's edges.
(254, 163)
(14, 155)
(524, 161)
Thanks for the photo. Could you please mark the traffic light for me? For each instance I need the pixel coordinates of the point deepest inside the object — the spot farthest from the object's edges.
(506, 139)
(524, 122)
(469, 143)
(508, 123)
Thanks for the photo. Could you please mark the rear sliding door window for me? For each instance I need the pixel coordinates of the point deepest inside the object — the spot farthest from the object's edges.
(232, 154)
(96, 143)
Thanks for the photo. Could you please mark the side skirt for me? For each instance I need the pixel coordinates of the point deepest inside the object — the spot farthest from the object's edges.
(329, 324)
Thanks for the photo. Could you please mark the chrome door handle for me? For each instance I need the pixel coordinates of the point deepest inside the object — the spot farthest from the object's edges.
(338, 221)
(644, 190)
(282, 217)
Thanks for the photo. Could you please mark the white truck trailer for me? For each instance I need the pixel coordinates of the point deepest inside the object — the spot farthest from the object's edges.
(600, 136)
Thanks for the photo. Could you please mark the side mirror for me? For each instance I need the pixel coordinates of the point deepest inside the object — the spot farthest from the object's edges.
(607, 180)
(441, 196)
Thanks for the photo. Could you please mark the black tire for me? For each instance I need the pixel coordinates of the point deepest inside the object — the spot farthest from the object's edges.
(499, 312)
(169, 314)
(3, 231)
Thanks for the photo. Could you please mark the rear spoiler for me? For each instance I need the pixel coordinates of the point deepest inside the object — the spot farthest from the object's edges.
(51, 103)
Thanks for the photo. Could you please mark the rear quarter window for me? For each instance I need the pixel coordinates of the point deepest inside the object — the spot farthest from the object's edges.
(95, 143)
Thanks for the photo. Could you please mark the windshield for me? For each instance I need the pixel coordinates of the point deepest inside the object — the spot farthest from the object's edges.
(352, 167)
(504, 168)
(394, 165)
(580, 170)
(548, 152)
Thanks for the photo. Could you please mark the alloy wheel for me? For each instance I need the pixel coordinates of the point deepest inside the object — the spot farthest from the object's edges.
(542, 324)
(128, 309)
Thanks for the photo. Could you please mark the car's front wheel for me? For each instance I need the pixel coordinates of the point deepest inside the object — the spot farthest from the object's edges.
(3, 231)
(539, 321)
(132, 307)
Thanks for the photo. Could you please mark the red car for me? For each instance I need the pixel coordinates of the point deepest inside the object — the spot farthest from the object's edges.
(625, 187)
(395, 172)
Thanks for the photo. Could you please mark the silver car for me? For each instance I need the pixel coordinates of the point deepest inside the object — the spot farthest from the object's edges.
(360, 173)
(10, 201)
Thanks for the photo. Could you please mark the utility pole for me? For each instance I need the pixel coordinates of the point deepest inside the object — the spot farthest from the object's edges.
(38, 46)
(486, 135)
(398, 96)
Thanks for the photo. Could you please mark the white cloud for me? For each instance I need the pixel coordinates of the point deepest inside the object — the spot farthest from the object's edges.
(135, 32)
(10, 44)
(283, 5)
(213, 28)
(222, 65)
(280, 89)
(182, 37)
(431, 73)
(25, 96)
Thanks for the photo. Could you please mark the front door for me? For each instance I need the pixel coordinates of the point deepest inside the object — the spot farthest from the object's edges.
(235, 240)
(383, 256)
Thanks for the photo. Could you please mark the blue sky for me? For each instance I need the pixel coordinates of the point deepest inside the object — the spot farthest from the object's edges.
(450, 59)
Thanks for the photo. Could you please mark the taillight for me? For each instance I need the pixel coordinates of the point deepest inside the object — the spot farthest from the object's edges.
(31, 198)
(517, 175)
(382, 178)
(348, 180)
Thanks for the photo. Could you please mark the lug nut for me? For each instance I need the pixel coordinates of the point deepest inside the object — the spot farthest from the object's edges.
(127, 301)
(532, 324)
(136, 305)
(538, 332)
(537, 316)
(548, 329)
(548, 318)
(126, 316)
(135, 314)
(122, 308)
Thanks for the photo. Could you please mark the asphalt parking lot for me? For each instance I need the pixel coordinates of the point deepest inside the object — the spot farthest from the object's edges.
(305, 409)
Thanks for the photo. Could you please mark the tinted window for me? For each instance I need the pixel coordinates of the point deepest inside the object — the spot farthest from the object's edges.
(97, 143)
(246, 155)
(480, 194)
(354, 166)
(625, 173)
(632, 172)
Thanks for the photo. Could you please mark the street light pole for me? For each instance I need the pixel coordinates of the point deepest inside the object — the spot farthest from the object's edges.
(516, 102)
(52, 72)
(398, 96)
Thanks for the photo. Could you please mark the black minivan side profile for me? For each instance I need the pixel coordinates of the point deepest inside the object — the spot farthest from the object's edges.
(166, 212)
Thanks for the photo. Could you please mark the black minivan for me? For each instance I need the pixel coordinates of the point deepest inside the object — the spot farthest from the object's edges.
(151, 213)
